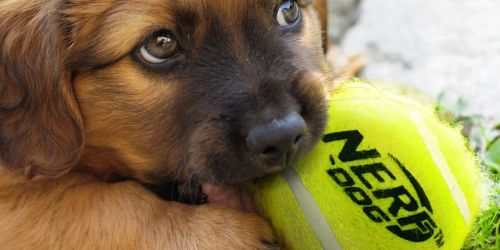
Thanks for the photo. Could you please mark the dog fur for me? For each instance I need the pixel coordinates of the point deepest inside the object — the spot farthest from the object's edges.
(84, 123)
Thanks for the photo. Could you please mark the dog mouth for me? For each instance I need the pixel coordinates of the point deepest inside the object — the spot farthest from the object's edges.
(196, 194)
(230, 191)
(229, 196)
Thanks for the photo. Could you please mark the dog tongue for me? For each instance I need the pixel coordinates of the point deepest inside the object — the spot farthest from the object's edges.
(232, 197)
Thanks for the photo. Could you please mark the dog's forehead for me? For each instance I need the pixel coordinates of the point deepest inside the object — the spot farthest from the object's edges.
(230, 13)
(120, 26)
(222, 5)
(124, 24)
(229, 9)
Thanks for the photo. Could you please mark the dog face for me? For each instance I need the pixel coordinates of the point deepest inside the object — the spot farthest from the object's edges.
(160, 90)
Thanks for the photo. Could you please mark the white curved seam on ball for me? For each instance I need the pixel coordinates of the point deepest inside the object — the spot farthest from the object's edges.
(311, 211)
(432, 145)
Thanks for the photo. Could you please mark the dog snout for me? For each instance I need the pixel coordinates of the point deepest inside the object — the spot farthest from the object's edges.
(278, 141)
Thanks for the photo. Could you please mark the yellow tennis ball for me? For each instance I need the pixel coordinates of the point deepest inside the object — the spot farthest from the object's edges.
(386, 175)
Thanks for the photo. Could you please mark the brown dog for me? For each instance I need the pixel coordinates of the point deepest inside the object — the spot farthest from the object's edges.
(100, 98)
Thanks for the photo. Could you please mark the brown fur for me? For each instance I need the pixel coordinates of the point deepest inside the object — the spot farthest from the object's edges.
(83, 123)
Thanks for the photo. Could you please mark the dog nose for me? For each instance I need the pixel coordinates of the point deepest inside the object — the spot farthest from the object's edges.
(278, 141)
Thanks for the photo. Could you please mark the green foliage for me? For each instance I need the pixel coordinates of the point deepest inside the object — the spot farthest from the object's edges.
(486, 143)
(492, 158)
(486, 232)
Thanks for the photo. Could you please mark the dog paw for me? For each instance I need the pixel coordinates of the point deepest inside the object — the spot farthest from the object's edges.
(226, 228)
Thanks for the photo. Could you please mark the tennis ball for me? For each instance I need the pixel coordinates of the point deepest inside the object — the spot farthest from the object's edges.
(388, 174)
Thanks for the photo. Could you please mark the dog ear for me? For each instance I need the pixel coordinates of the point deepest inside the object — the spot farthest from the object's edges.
(40, 125)
(321, 7)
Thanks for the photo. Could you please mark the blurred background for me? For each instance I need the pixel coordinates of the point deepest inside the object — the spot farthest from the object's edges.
(439, 46)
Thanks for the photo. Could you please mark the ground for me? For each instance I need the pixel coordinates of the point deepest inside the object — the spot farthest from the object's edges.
(450, 46)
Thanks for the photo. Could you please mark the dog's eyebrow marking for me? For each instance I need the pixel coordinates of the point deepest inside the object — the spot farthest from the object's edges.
(304, 2)
(270, 2)
(185, 17)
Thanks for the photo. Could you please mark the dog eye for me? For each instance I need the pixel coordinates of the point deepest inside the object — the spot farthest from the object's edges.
(159, 47)
(288, 13)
